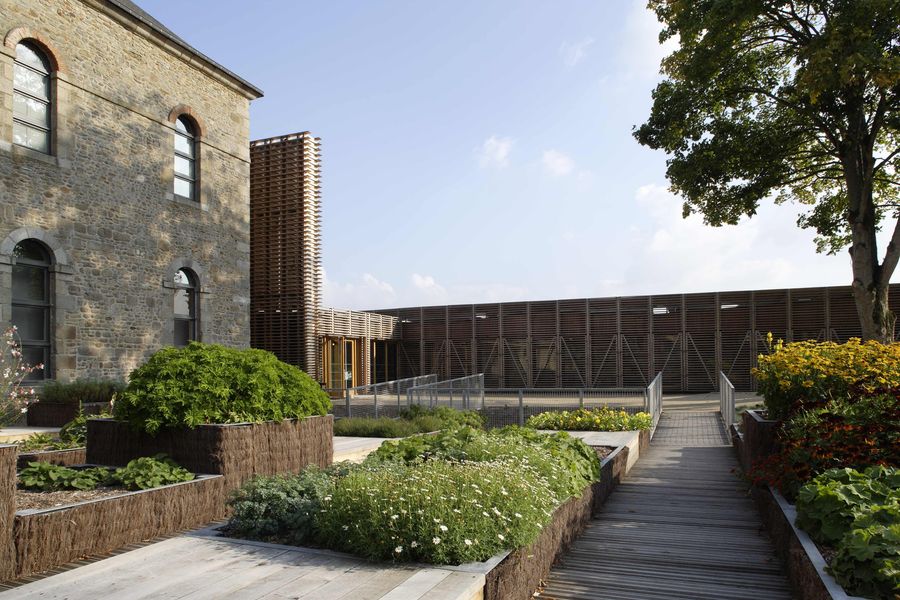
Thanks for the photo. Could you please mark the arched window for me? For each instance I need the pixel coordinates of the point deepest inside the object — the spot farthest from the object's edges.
(185, 158)
(32, 103)
(186, 304)
(31, 304)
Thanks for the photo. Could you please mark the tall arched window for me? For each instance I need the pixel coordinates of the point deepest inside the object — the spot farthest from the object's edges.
(186, 304)
(31, 304)
(185, 158)
(31, 98)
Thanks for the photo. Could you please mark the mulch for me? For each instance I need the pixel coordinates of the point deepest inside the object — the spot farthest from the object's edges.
(27, 499)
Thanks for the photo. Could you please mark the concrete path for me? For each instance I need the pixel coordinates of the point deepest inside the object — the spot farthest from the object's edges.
(680, 526)
(194, 568)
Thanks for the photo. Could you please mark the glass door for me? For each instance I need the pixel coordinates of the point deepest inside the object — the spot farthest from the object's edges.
(341, 363)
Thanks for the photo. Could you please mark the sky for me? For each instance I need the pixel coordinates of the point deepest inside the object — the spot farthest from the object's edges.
(482, 150)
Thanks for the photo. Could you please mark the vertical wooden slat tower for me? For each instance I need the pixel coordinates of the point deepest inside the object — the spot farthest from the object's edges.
(285, 247)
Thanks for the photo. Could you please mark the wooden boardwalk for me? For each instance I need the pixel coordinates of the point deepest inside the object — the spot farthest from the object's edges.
(680, 526)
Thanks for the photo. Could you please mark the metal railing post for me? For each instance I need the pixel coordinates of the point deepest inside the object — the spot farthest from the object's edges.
(375, 398)
(347, 400)
(521, 408)
(581, 398)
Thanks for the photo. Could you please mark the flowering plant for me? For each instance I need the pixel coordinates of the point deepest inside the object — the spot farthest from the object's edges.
(807, 374)
(14, 397)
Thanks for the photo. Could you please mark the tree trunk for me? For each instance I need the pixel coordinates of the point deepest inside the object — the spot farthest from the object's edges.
(871, 280)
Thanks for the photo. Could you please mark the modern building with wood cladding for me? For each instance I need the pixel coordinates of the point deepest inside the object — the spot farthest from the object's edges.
(619, 342)
(285, 247)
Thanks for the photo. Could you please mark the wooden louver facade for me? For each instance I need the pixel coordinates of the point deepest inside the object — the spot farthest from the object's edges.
(620, 342)
(285, 247)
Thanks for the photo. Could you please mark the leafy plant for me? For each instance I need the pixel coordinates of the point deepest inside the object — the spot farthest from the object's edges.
(283, 508)
(436, 511)
(382, 427)
(47, 477)
(591, 419)
(208, 383)
(81, 391)
(568, 463)
(145, 473)
(806, 375)
(38, 442)
(449, 417)
(859, 515)
(841, 433)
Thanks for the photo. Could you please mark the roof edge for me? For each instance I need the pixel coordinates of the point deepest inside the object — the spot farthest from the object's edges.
(133, 13)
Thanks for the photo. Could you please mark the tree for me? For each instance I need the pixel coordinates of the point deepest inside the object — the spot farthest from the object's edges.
(781, 100)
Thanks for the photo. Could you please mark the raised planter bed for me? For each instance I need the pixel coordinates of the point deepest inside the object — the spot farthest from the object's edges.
(72, 456)
(804, 563)
(237, 451)
(759, 438)
(54, 536)
(7, 510)
(50, 414)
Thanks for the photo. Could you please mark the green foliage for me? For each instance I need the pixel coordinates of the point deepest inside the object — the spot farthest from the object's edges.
(457, 496)
(416, 419)
(867, 562)
(38, 442)
(382, 427)
(138, 474)
(145, 473)
(79, 392)
(46, 477)
(591, 419)
(208, 383)
(436, 511)
(794, 101)
(858, 514)
(566, 462)
(283, 508)
(450, 417)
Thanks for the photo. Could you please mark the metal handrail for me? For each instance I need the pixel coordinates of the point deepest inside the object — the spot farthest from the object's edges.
(373, 388)
(726, 399)
(653, 397)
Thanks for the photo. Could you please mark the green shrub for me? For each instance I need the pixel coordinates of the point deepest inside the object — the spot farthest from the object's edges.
(79, 392)
(591, 419)
(146, 473)
(208, 383)
(449, 417)
(382, 427)
(859, 515)
(46, 477)
(566, 462)
(806, 374)
(283, 508)
(436, 511)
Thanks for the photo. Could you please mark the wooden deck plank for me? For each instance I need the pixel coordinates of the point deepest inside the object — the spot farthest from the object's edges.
(680, 526)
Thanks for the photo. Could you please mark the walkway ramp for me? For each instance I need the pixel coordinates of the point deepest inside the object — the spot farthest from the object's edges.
(680, 526)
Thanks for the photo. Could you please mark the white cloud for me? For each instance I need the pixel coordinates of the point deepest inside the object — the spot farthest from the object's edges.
(671, 254)
(494, 152)
(573, 53)
(367, 292)
(557, 163)
(428, 288)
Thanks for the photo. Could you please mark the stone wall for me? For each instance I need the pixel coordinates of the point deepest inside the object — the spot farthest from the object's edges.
(102, 203)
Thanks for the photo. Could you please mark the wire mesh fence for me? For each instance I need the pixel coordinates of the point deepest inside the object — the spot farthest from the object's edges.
(384, 399)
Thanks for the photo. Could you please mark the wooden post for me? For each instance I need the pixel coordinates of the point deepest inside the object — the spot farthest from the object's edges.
(7, 511)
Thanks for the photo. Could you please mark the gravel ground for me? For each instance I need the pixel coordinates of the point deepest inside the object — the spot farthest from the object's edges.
(26, 499)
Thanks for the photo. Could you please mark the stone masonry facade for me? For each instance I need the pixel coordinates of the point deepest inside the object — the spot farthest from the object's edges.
(101, 202)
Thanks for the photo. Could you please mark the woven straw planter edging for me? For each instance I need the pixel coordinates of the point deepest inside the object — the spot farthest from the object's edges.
(71, 456)
(805, 564)
(238, 451)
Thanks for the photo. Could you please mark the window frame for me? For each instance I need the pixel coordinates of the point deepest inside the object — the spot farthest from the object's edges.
(191, 134)
(46, 306)
(48, 102)
(193, 318)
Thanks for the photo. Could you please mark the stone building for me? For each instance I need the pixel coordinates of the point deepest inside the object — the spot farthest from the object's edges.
(124, 188)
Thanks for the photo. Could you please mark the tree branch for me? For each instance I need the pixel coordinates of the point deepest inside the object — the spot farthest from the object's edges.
(891, 255)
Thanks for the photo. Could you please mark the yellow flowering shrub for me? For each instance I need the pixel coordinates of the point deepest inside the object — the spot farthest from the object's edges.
(811, 373)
